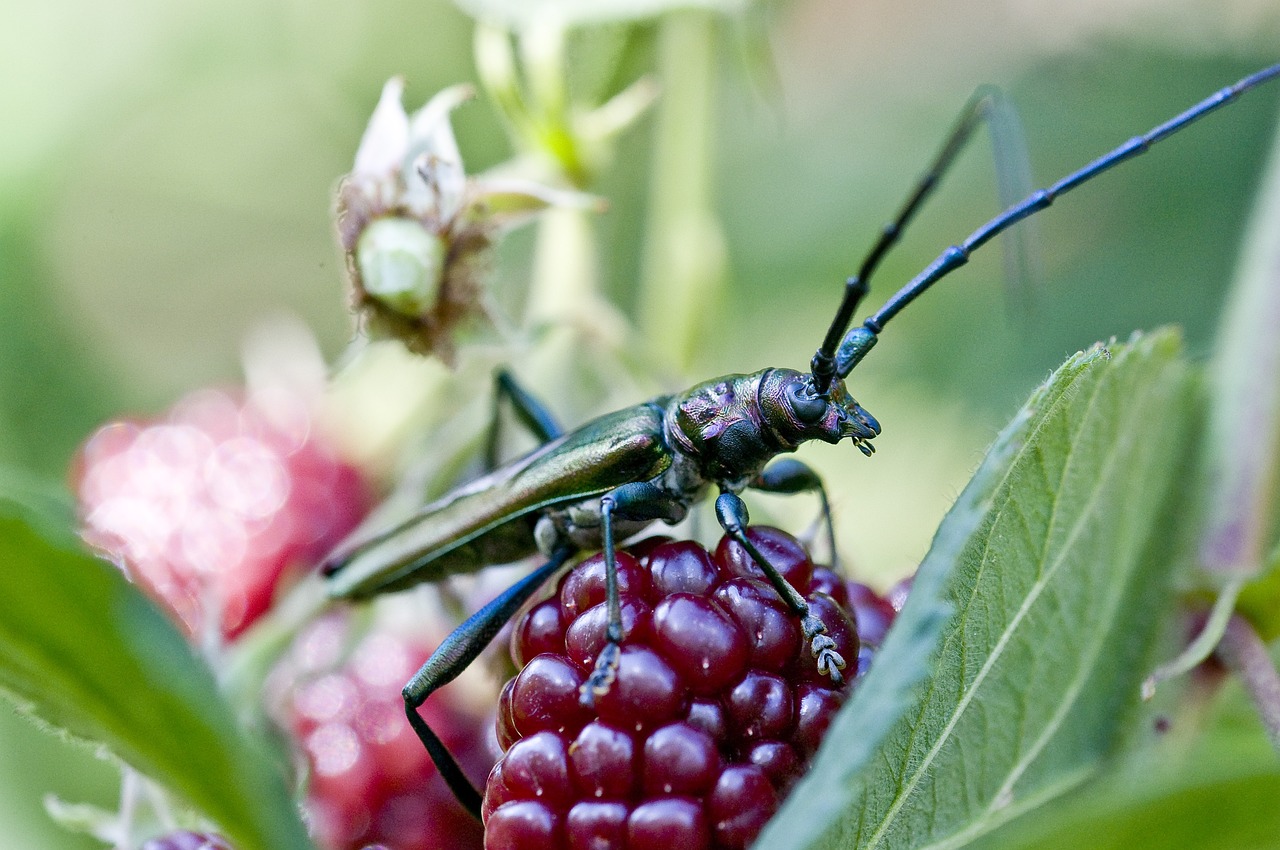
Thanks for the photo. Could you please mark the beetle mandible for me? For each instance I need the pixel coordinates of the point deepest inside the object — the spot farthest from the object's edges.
(618, 473)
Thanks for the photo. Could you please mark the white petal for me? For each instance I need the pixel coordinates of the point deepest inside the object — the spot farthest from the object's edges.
(436, 157)
(430, 129)
(385, 143)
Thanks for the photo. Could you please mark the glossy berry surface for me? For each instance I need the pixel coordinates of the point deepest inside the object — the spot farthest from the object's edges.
(370, 781)
(210, 506)
(716, 709)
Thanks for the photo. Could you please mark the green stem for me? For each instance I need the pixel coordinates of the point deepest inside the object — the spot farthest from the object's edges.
(1243, 447)
(564, 284)
(685, 256)
(1245, 653)
(1203, 645)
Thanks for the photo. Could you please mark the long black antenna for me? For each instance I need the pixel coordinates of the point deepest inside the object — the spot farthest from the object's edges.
(987, 105)
(860, 340)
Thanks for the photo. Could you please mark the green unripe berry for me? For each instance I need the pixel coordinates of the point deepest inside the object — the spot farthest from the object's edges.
(401, 264)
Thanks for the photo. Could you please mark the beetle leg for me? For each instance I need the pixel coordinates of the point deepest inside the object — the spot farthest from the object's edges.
(530, 412)
(606, 669)
(453, 656)
(639, 500)
(731, 511)
(788, 475)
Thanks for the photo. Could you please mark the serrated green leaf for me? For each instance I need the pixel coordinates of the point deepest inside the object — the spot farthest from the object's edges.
(1053, 566)
(82, 649)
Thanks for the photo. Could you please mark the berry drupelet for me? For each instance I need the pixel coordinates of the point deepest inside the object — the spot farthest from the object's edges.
(715, 712)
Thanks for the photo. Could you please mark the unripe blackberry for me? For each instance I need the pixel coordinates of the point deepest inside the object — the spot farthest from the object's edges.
(369, 778)
(716, 709)
(209, 507)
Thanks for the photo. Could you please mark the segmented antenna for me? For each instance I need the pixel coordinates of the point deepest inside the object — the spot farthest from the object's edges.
(988, 105)
(860, 340)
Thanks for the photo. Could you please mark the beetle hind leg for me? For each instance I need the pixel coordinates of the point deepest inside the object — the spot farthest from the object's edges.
(453, 656)
(529, 410)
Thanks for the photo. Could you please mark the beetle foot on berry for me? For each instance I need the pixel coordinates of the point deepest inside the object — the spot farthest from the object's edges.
(823, 649)
(602, 677)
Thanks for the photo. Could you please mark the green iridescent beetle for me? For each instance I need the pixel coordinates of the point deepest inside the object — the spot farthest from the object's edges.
(618, 473)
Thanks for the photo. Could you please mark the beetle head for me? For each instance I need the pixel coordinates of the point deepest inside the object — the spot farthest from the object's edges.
(798, 412)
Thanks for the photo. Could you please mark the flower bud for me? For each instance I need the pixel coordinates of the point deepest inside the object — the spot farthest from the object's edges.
(417, 231)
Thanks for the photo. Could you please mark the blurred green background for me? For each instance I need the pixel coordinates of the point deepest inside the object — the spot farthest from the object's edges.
(166, 173)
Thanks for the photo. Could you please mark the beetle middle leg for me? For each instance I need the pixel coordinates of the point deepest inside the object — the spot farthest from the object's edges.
(788, 475)
(640, 500)
(454, 655)
(731, 511)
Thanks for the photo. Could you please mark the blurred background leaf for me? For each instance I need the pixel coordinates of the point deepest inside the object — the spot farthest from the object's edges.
(166, 172)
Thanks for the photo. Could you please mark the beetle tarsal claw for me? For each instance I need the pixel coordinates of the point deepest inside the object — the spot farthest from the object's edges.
(823, 648)
(830, 663)
(601, 678)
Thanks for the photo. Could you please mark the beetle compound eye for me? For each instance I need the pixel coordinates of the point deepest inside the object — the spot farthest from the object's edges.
(807, 405)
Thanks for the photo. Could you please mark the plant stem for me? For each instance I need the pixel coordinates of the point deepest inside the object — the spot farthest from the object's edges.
(1245, 653)
(684, 254)
(1204, 644)
(564, 286)
(1244, 415)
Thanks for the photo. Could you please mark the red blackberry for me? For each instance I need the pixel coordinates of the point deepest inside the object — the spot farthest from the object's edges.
(715, 711)
(210, 506)
(370, 780)
(874, 615)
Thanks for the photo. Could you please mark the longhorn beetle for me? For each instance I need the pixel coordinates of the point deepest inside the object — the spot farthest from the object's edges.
(616, 474)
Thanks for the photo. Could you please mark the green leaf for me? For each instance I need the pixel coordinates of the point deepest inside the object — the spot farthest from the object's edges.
(81, 648)
(1209, 782)
(1053, 565)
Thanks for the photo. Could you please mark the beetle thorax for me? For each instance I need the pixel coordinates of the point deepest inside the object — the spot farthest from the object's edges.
(719, 425)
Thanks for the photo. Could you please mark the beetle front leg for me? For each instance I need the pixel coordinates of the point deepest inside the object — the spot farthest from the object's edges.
(731, 511)
(453, 656)
(788, 475)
